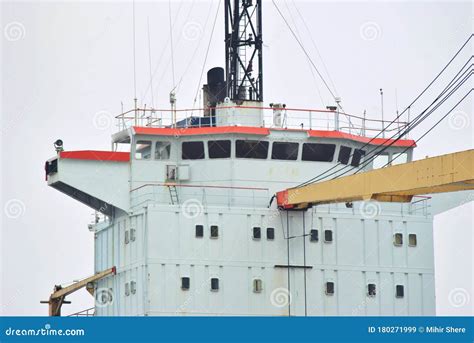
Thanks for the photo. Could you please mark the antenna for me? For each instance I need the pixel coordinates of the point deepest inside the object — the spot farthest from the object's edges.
(381, 106)
(243, 44)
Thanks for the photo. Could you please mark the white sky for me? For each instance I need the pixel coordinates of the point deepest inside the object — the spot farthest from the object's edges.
(66, 67)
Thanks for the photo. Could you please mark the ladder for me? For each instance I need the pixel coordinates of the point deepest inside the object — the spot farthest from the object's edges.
(173, 194)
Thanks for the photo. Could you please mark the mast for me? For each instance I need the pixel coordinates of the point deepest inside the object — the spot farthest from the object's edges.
(243, 44)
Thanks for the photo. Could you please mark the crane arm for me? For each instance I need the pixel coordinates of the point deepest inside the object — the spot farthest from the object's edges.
(440, 174)
(57, 298)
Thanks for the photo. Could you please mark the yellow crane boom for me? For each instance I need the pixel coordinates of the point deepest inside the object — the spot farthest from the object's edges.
(440, 174)
(57, 298)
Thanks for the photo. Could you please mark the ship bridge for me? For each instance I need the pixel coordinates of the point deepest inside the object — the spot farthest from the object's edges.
(234, 154)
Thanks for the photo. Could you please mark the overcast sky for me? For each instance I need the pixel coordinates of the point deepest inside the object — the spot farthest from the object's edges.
(67, 66)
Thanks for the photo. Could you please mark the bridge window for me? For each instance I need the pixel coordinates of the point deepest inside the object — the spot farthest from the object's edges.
(399, 158)
(318, 152)
(399, 291)
(357, 157)
(192, 150)
(329, 288)
(251, 149)
(344, 154)
(219, 149)
(380, 161)
(284, 151)
(143, 150)
(162, 150)
(313, 235)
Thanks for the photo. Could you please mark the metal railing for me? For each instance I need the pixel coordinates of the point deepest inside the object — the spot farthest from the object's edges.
(290, 118)
(198, 196)
(89, 312)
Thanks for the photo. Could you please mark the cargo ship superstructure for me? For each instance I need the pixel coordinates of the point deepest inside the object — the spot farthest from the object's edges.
(190, 224)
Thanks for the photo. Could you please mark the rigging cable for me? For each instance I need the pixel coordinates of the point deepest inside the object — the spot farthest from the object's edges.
(304, 264)
(304, 50)
(149, 62)
(315, 47)
(307, 60)
(134, 55)
(436, 124)
(192, 58)
(163, 51)
(320, 176)
(416, 121)
(425, 116)
(171, 44)
(207, 53)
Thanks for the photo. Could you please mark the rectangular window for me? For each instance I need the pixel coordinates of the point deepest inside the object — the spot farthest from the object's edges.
(214, 284)
(256, 233)
(270, 233)
(127, 289)
(199, 231)
(344, 154)
(257, 286)
(251, 149)
(399, 158)
(380, 161)
(357, 157)
(398, 239)
(219, 149)
(412, 240)
(185, 283)
(399, 291)
(318, 152)
(371, 292)
(192, 150)
(284, 151)
(143, 150)
(328, 236)
(314, 235)
(133, 287)
(214, 231)
(329, 288)
(162, 150)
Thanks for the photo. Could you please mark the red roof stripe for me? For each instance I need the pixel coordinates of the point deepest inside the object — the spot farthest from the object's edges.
(262, 131)
(166, 131)
(373, 141)
(96, 155)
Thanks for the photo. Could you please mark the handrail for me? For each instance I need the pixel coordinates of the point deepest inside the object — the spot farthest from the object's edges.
(168, 184)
